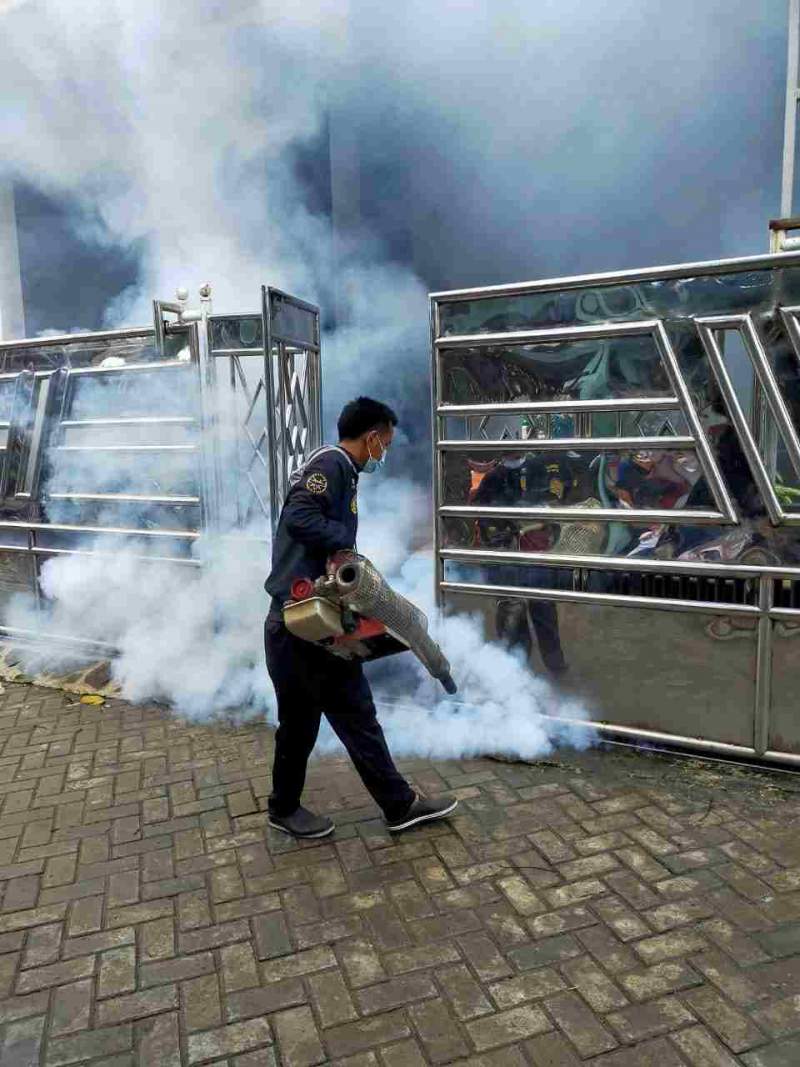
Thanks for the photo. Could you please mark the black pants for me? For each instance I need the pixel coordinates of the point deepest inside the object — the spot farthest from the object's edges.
(310, 682)
(513, 619)
(516, 618)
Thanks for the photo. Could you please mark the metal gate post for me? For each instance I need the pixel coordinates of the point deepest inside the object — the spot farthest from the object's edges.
(436, 423)
(269, 381)
(766, 600)
(209, 412)
(194, 324)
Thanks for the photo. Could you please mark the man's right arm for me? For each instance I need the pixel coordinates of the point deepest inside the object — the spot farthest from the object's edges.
(308, 507)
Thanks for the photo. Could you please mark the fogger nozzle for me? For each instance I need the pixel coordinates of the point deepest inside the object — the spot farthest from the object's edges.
(364, 590)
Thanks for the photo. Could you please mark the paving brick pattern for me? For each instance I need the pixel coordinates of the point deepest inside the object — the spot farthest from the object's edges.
(615, 912)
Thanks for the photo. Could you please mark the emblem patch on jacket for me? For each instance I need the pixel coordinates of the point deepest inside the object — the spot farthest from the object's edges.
(354, 505)
(316, 483)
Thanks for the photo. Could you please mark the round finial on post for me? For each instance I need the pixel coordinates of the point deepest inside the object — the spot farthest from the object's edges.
(182, 294)
(205, 291)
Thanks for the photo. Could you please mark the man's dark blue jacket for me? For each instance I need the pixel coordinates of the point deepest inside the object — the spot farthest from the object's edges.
(319, 517)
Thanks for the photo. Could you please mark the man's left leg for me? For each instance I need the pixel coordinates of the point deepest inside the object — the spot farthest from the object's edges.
(543, 616)
(351, 712)
(543, 619)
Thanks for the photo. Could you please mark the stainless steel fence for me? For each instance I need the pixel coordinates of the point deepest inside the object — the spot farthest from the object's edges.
(617, 482)
(150, 438)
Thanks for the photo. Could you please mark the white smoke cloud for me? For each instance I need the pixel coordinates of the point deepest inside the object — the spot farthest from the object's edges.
(172, 125)
(502, 707)
(193, 638)
(188, 637)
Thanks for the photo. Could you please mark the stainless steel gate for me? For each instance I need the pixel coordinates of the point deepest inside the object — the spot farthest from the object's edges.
(150, 438)
(619, 454)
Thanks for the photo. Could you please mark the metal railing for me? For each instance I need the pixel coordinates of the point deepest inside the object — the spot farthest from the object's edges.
(738, 559)
(149, 439)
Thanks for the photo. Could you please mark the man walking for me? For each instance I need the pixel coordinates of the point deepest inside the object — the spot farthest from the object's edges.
(320, 518)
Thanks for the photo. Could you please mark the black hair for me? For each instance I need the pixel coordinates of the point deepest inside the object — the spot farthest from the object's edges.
(361, 415)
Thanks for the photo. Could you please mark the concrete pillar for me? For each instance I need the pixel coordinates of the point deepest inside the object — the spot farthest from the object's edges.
(12, 317)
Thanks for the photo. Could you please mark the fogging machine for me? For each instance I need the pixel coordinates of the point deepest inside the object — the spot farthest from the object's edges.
(354, 613)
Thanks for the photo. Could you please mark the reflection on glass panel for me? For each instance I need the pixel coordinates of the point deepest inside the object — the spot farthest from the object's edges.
(134, 434)
(651, 585)
(180, 547)
(740, 370)
(784, 720)
(674, 299)
(142, 474)
(652, 479)
(585, 370)
(6, 399)
(83, 353)
(138, 516)
(544, 426)
(576, 538)
(517, 373)
(16, 574)
(751, 544)
(171, 391)
(291, 322)
(698, 677)
(236, 331)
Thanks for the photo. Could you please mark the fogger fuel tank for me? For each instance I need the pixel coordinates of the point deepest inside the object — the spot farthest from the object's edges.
(353, 612)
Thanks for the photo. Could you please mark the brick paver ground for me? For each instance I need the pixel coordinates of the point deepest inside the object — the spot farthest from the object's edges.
(605, 909)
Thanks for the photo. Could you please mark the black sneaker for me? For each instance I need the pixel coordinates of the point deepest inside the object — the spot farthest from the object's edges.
(423, 810)
(302, 823)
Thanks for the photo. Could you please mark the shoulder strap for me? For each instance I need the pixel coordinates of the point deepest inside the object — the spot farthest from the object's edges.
(296, 475)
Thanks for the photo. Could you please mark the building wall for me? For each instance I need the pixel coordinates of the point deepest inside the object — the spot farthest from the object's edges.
(12, 318)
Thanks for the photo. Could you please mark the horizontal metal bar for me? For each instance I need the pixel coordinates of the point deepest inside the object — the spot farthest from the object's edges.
(588, 281)
(38, 550)
(548, 335)
(789, 758)
(77, 338)
(116, 531)
(239, 316)
(570, 444)
(632, 734)
(523, 407)
(698, 744)
(134, 420)
(297, 345)
(785, 614)
(189, 560)
(40, 635)
(126, 448)
(631, 564)
(638, 516)
(295, 301)
(128, 368)
(501, 592)
(236, 352)
(124, 498)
